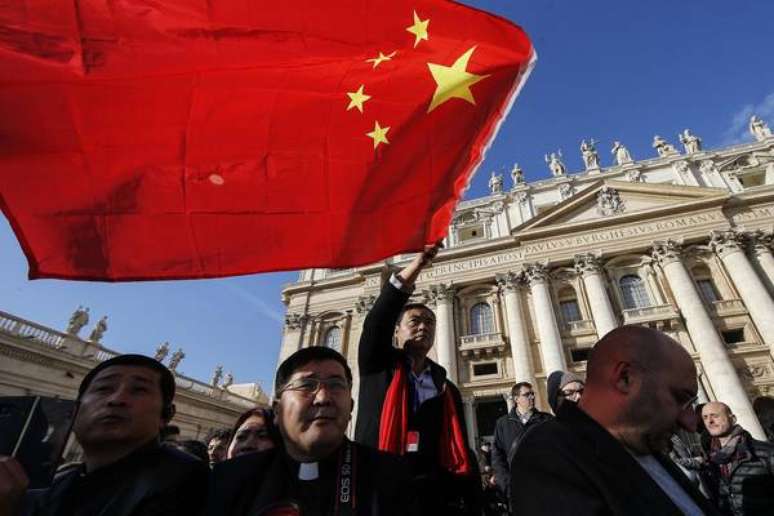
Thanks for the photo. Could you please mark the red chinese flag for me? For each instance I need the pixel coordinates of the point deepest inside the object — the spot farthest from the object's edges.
(191, 138)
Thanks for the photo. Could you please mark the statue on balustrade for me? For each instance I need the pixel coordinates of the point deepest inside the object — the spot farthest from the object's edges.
(99, 330)
(663, 147)
(496, 183)
(517, 175)
(78, 320)
(759, 129)
(216, 376)
(590, 156)
(691, 142)
(621, 153)
(228, 380)
(175, 359)
(162, 351)
(555, 164)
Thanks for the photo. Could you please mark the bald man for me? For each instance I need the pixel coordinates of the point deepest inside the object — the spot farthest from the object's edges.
(604, 455)
(741, 468)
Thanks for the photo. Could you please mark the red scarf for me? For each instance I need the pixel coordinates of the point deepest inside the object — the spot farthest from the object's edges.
(393, 425)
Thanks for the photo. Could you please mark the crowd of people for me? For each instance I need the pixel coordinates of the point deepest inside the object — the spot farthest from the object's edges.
(627, 439)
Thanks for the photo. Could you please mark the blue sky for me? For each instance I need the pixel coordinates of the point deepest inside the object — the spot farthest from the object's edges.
(611, 70)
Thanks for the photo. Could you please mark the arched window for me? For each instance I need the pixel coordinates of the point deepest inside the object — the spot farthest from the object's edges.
(568, 305)
(481, 319)
(633, 291)
(333, 338)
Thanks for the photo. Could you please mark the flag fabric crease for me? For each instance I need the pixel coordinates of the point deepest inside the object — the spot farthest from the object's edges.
(192, 139)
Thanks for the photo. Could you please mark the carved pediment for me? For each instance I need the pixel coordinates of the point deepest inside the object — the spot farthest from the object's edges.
(608, 199)
(743, 162)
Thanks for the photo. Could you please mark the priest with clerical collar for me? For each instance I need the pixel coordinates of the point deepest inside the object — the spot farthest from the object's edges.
(316, 470)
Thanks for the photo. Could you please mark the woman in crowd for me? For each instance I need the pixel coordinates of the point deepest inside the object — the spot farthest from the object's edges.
(254, 431)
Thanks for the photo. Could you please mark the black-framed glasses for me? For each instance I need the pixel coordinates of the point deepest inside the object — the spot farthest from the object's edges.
(528, 394)
(571, 392)
(310, 385)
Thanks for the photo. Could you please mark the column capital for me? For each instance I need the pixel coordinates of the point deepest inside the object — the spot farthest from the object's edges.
(536, 273)
(510, 281)
(758, 242)
(364, 304)
(725, 242)
(440, 293)
(587, 263)
(667, 251)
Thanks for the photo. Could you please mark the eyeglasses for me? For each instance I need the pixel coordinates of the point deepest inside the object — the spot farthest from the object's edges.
(527, 394)
(571, 392)
(310, 385)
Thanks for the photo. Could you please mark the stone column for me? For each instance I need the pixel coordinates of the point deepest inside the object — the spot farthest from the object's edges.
(602, 312)
(548, 330)
(759, 246)
(759, 303)
(468, 404)
(717, 365)
(443, 297)
(510, 285)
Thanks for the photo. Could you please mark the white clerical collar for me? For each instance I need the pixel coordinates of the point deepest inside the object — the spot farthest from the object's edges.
(308, 471)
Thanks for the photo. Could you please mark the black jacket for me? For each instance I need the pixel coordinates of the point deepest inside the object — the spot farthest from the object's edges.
(377, 359)
(508, 432)
(749, 491)
(247, 484)
(571, 465)
(152, 481)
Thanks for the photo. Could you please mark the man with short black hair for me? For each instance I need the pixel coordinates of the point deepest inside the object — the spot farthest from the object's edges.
(217, 445)
(317, 470)
(741, 469)
(509, 430)
(123, 404)
(605, 455)
(407, 405)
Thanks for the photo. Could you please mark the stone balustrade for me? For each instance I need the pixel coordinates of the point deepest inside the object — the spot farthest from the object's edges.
(649, 314)
(727, 307)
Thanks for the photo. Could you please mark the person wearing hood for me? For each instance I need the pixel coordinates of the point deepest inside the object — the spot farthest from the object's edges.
(509, 430)
(741, 469)
(562, 386)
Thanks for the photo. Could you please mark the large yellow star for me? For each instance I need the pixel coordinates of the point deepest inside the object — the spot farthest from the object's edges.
(419, 29)
(357, 99)
(378, 135)
(453, 81)
(381, 58)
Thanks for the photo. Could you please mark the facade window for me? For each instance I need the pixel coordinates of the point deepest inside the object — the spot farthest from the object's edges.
(481, 319)
(485, 369)
(733, 336)
(633, 292)
(707, 290)
(580, 355)
(333, 338)
(570, 310)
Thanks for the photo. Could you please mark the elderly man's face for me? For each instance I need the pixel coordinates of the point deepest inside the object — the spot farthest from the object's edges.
(717, 419)
(313, 421)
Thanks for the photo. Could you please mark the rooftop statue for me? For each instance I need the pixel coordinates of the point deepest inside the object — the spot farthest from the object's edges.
(496, 183)
(555, 164)
(216, 376)
(99, 330)
(662, 147)
(517, 174)
(759, 129)
(691, 142)
(175, 359)
(228, 380)
(78, 320)
(589, 153)
(162, 351)
(621, 153)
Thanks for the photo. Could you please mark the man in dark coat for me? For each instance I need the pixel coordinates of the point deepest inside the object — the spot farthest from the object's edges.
(406, 403)
(124, 403)
(605, 455)
(315, 469)
(509, 430)
(741, 469)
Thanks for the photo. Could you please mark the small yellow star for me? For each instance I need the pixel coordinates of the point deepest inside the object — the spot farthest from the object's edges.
(357, 99)
(378, 60)
(379, 134)
(453, 81)
(419, 29)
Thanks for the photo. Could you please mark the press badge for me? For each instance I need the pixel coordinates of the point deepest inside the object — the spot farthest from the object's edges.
(412, 441)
